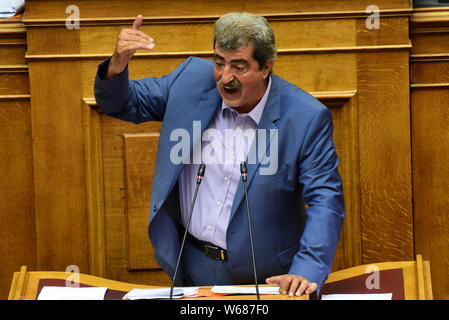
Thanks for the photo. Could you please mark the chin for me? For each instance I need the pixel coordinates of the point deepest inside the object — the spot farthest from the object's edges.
(231, 103)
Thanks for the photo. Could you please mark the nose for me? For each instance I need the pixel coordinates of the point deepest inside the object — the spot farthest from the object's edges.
(227, 75)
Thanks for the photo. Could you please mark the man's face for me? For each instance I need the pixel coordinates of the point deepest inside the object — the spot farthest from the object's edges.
(239, 81)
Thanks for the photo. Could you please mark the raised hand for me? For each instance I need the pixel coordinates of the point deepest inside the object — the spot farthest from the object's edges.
(128, 42)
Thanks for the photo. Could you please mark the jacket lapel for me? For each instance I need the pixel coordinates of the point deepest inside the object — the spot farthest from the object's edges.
(167, 173)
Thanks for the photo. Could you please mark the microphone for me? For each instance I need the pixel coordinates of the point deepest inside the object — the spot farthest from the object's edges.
(244, 173)
(199, 178)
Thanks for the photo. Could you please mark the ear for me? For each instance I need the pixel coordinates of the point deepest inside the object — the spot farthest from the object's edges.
(267, 68)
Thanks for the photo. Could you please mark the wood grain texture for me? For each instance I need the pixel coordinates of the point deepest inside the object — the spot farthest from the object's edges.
(384, 146)
(14, 83)
(139, 150)
(118, 221)
(430, 116)
(429, 72)
(17, 217)
(198, 36)
(385, 157)
(17, 227)
(392, 30)
(56, 40)
(13, 53)
(59, 165)
(94, 189)
(346, 140)
(440, 43)
(429, 120)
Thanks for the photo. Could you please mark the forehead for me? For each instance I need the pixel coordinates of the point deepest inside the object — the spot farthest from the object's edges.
(241, 53)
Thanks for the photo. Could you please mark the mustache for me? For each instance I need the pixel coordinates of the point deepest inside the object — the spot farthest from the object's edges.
(234, 84)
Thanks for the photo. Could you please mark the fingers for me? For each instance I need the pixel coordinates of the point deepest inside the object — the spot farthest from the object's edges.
(302, 287)
(293, 284)
(138, 37)
(284, 282)
(132, 47)
(297, 281)
(273, 280)
(129, 33)
(138, 22)
(312, 287)
(145, 45)
(130, 40)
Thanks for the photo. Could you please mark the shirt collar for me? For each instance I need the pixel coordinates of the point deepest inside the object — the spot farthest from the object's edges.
(256, 112)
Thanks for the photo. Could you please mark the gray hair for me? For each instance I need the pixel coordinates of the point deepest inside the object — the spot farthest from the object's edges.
(237, 29)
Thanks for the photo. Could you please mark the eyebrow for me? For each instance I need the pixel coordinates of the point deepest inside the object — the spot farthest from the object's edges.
(232, 61)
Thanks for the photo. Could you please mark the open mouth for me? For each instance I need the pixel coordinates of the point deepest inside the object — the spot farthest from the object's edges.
(230, 91)
(231, 88)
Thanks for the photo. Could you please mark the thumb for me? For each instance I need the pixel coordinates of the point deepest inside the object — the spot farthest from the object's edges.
(138, 22)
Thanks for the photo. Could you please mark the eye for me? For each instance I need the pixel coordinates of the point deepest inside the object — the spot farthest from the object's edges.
(219, 64)
(240, 69)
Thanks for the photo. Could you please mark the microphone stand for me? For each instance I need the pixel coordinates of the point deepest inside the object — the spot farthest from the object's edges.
(200, 176)
(244, 173)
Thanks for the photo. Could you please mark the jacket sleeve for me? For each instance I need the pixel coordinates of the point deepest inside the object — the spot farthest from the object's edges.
(323, 194)
(134, 100)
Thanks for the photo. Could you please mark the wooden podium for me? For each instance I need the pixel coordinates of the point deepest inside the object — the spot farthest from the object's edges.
(409, 280)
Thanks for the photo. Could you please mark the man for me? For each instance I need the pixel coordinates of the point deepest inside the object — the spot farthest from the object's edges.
(294, 246)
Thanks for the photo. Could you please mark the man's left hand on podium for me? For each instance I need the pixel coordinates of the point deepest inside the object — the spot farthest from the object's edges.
(293, 284)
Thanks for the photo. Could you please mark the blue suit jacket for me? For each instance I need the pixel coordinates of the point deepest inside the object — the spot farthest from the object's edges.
(288, 238)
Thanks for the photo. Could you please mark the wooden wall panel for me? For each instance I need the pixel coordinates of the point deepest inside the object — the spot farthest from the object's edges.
(344, 117)
(430, 118)
(17, 223)
(139, 152)
(385, 157)
(197, 36)
(430, 141)
(384, 142)
(319, 72)
(57, 41)
(439, 43)
(13, 53)
(392, 31)
(59, 165)
(430, 72)
(94, 188)
(14, 80)
(17, 218)
(120, 259)
(350, 170)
